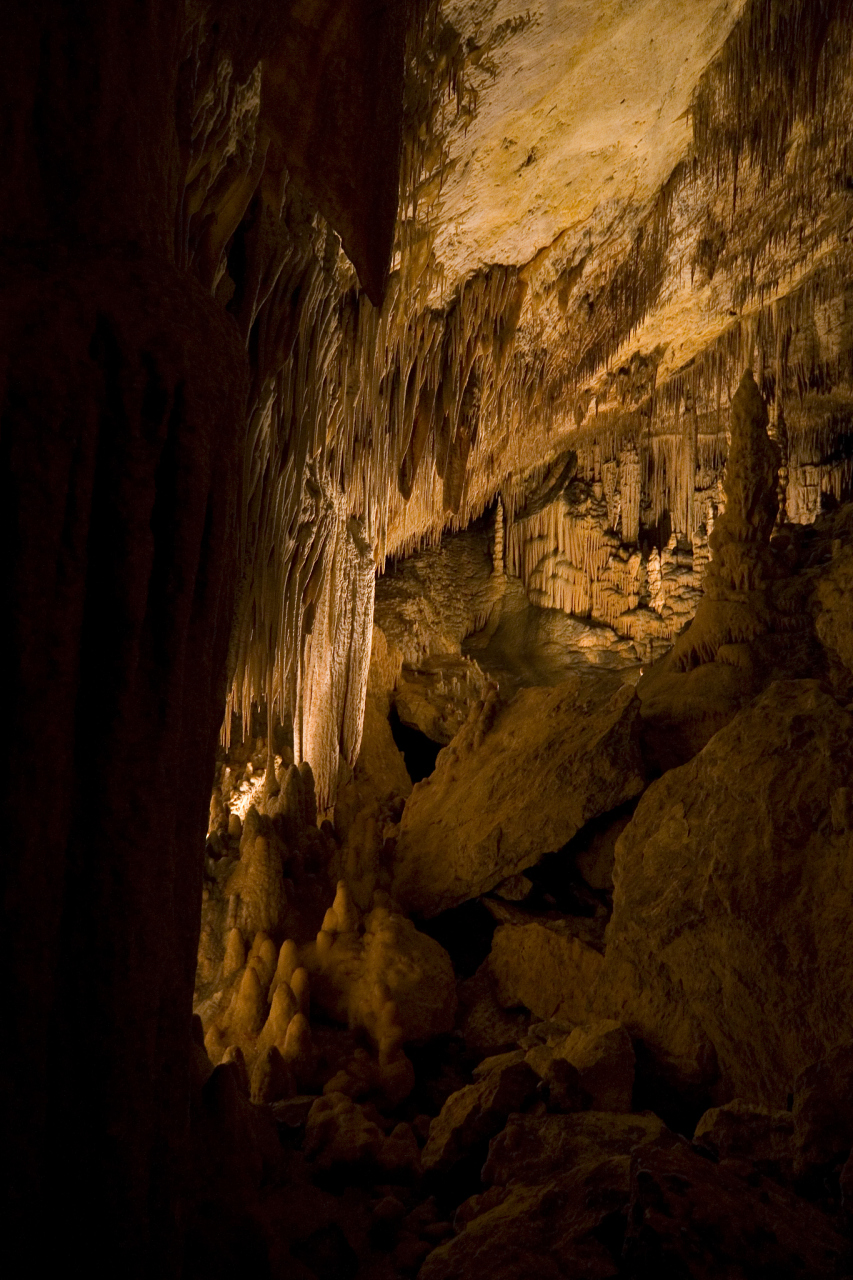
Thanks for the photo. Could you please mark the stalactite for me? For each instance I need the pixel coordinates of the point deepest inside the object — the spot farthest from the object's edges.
(441, 399)
(334, 682)
(498, 547)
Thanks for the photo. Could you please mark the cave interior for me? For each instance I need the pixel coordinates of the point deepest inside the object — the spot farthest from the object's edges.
(427, 440)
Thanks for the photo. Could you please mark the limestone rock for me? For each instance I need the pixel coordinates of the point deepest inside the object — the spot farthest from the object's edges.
(369, 800)
(514, 888)
(338, 1133)
(596, 859)
(833, 595)
(380, 770)
(476, 1113)
(746, 1131)
(681, 711)
(823, 1110)
(544, 967)
(357, 975)
(399, 1153)
(603, 1057)
(272, 1079)
(516, 782)
(483, 1024)
(496, 1062)
(533, 1148)
(548, 1231)
(566, 1094)
(234, 1055)
(257, 883)
(560, 1188)
(436, 695)
(730, 930)
(298, 1050)
(689, 1217)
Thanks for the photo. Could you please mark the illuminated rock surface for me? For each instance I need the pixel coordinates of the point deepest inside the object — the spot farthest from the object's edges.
(516, 782)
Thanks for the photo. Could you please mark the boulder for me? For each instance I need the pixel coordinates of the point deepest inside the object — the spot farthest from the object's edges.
(545, 967)
(746, 1131)
(564, 1090)
(338, 1133)
(689, 1217)
(728, 951)
(476, 1113)
(556, 1207)
(603, 1056)
(496, 1062)
(548, 1231)
(516, 782)
(534, 1148)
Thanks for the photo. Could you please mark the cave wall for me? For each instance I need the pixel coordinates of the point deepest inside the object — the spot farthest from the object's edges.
(133, 148)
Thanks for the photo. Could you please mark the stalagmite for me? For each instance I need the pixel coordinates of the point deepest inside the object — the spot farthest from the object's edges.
(283, 1008)
(262, 957)
(298, 1051)
(235, 1057)
(248, 1008)
(272, 1078)
(286, 966)
(235, 953)
(300, 985)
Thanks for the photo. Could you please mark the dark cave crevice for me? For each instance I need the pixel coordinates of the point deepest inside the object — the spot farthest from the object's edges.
(419, 752)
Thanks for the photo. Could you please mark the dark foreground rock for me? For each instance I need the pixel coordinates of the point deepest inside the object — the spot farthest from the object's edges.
(691, 1218)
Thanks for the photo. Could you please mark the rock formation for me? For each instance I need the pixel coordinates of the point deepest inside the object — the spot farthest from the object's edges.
(712, 879)
(515, 783)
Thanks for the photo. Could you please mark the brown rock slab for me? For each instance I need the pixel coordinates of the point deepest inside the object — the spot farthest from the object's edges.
(437, 694)
(516, 782)
(728, 950)
(544, 967)
(476, 1113)
(496, 1062)
(564, 1090)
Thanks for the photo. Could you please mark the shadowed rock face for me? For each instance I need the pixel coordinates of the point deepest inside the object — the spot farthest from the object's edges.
(122, 464)
(123, 392)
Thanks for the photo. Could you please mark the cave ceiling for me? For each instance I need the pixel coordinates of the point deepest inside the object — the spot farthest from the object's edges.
(574, 115)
